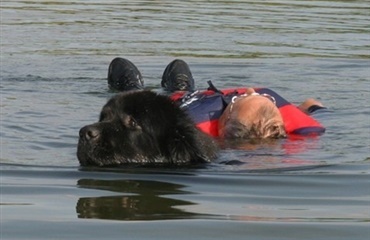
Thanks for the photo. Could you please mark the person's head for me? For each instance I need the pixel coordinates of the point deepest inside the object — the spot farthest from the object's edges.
(252, 116)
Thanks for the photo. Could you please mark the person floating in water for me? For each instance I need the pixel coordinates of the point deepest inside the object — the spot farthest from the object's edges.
(246, 113)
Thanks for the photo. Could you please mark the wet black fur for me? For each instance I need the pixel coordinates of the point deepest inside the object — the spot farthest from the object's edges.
(144, 128)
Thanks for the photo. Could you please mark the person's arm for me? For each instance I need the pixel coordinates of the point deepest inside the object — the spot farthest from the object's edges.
(310, 105)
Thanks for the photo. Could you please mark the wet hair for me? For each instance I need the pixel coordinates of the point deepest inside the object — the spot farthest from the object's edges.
(265, 126)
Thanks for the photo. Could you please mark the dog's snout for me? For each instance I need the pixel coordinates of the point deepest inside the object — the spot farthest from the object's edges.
(89, 132)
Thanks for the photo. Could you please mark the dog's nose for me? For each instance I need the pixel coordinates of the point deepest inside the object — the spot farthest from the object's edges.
(89, 132)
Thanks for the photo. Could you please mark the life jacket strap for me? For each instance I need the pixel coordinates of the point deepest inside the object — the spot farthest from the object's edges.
(212, 87)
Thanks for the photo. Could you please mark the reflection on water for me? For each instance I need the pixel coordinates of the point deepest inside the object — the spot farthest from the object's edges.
(137, 200)
(39, 202)
(272, 154)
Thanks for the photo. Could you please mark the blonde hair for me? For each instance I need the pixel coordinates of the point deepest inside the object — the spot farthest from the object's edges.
(263, 125)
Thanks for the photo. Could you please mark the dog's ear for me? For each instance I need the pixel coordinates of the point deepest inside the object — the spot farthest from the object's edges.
(192, 146)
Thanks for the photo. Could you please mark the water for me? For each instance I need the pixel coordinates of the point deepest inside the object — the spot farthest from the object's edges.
(54, 60)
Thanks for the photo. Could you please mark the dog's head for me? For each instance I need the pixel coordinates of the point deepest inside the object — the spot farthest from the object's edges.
(142, 127)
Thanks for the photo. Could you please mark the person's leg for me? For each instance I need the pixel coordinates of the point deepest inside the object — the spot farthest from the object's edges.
(123, 75)
(177, 77)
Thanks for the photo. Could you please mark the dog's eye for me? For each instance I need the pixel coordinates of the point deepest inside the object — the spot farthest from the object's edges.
(132, 123)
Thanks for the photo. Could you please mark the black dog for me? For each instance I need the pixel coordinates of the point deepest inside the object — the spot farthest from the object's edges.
(144, 128)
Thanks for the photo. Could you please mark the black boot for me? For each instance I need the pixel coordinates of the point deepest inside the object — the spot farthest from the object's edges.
(177, 77)
(123, 75)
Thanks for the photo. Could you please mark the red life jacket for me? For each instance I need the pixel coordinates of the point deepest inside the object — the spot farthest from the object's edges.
(206, 107)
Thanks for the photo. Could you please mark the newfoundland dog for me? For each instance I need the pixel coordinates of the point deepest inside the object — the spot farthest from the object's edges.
(143, 128)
